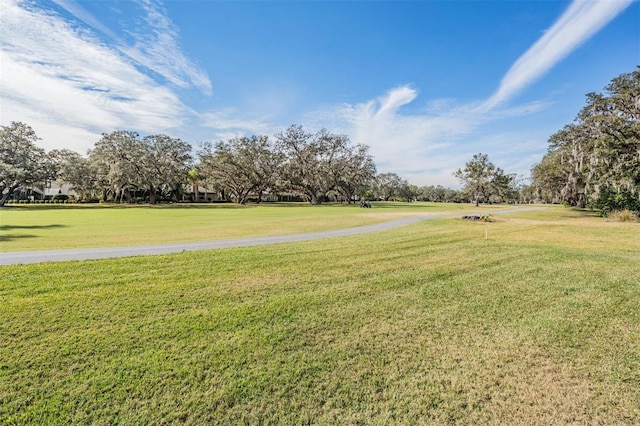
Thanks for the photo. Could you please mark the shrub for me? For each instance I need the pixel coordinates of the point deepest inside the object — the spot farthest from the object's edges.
(610, 201)
(625, 215)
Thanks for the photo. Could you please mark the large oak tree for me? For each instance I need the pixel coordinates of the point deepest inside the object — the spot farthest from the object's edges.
(596, 160)
(22, 162)
(482, 179)
(242, 166)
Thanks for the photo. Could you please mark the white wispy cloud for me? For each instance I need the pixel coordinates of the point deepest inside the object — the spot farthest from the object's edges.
(413, 145)
(81, 13)
(71, 82)
(57, 75)
(581, 20)
(427, 147)
(229, 123)
(156, 47)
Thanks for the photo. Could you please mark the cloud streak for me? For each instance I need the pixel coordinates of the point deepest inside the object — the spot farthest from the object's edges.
(81, 13)
(155, 44)
(412, 145)
(157, 48)
(106, 78)
(581, 20)
(228, 123)
(427, 147)
(87, 87)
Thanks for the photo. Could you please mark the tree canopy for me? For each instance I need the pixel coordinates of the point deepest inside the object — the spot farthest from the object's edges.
(316, 164)
(482, 180)
(595, 161)
(122, 166)
(154, 164)
(388, 186)
(22, 162)
(243, 166)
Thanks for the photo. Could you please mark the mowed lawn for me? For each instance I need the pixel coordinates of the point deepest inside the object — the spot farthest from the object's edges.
(432, 323)
(38, 227)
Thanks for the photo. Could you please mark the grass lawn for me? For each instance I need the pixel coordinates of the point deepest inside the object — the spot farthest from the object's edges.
(38, 227)
(425, 324)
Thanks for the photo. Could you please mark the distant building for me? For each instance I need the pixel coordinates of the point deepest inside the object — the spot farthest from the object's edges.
(55, 189)
(33, 194)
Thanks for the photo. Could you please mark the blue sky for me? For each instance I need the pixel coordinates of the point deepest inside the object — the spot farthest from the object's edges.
(426, 84)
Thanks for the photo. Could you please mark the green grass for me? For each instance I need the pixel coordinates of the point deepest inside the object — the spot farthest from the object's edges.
(427, 324)
(38, 227)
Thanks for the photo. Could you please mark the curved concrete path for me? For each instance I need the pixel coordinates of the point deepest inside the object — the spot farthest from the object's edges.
(25, 257)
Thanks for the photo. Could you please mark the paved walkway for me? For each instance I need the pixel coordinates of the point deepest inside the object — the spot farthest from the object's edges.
(25, 257)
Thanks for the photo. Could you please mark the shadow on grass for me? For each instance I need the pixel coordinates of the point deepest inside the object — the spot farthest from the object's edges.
(196, 206)
(220, 205)
(302, 204)
(12, 227)
(101, 206)
(575, 212)
(11, 237)
(209, 206)
(32, 207)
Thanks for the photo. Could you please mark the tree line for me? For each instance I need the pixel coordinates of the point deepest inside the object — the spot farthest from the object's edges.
(314, 166)
(124, 167)
(595, 161)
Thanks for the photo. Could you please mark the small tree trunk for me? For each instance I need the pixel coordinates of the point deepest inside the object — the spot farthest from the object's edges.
(4, 198)
(152, 195)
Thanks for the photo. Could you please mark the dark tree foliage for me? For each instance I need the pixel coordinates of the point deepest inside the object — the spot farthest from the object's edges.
(595, 161)
(389, 186)
(241, 166)
(123, 166)
(314, 165)
(72, 168)
(483, 181)
(22, 162)
(124, 163)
